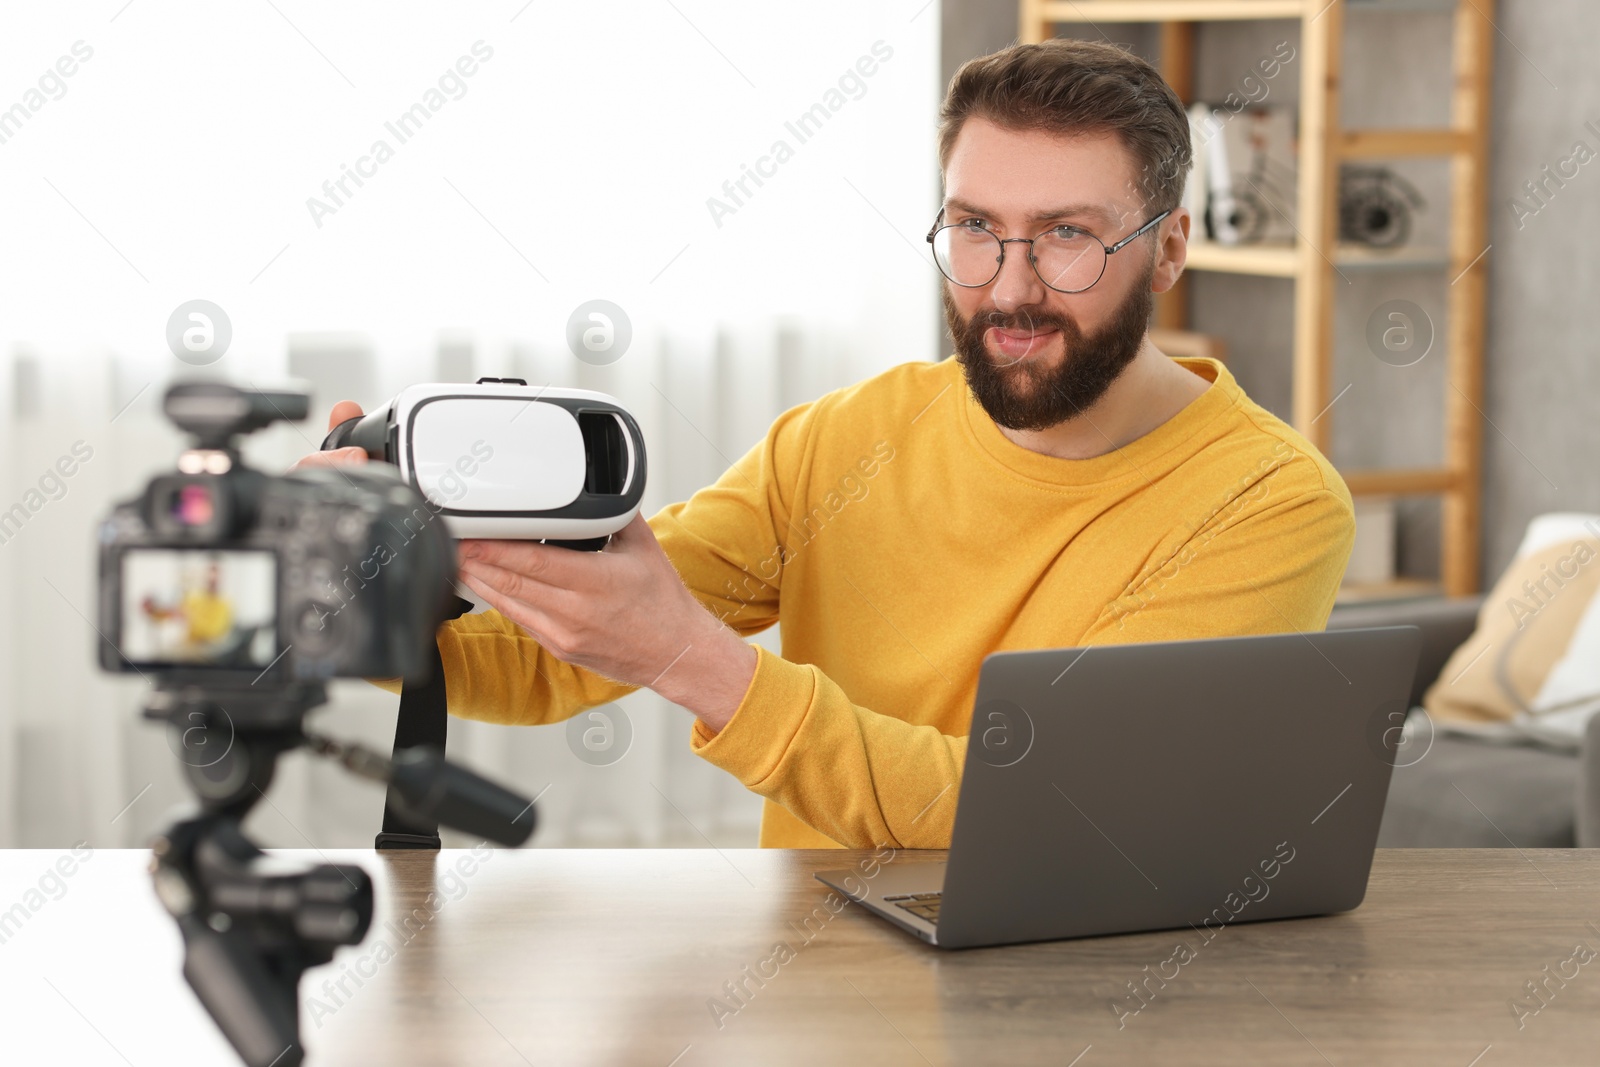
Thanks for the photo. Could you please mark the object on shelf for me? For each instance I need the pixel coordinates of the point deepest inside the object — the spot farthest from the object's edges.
(1202, 127)
(1245, 173)
(1375, 206)
(1372, 557)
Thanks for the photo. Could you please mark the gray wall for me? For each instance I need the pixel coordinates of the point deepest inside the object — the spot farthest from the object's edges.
(1539, 441)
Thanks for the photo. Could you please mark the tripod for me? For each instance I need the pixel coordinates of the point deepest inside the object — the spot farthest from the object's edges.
(249, 929)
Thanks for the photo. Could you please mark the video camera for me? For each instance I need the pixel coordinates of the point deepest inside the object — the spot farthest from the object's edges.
(238, 595)
(233, 577)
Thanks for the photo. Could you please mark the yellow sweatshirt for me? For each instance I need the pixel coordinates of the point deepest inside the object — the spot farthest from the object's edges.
(899, 537)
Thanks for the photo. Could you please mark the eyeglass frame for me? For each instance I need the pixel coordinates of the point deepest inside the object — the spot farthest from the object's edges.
(1033, 260)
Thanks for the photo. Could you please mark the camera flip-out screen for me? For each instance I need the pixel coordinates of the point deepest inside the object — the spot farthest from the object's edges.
(186, 607)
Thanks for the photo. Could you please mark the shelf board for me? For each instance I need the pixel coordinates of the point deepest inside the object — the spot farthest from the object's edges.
(1273, 260)
(1169, 10)
(1409, 257)
(1396, 144)
(1395, 7)
(1216, 10)
(1394, 589)
(1400, 482)
(1282, 260)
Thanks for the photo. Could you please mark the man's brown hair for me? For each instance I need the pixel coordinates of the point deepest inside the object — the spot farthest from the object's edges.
(1067, 86)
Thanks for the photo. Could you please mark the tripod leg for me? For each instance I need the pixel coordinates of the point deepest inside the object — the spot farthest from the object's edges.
(257, 1013)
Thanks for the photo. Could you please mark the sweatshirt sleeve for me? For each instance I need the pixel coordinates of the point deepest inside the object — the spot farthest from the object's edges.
(725, 544)
(867, 779)
(863, 778)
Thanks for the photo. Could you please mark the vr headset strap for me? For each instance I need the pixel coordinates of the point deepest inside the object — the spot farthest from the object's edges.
(423, 720)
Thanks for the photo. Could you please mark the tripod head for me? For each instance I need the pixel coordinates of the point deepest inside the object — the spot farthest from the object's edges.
(251, 929)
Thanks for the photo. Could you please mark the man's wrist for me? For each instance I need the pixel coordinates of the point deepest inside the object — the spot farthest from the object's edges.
(710, 677)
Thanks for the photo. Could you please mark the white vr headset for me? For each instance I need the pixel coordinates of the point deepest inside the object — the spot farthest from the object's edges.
(505, 459)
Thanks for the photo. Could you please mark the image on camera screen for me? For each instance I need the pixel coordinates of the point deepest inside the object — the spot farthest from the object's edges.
(199, 607)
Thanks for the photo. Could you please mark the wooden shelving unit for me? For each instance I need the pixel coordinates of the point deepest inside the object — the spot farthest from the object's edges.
(1312, 261)
(1282, 260)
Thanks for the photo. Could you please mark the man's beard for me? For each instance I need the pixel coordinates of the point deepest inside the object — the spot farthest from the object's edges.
(1089, 364)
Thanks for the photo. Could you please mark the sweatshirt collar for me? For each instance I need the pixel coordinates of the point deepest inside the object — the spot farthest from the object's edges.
(1157, 452)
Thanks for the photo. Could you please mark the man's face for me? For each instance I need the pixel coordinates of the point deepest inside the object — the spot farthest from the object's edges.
(1035, 357)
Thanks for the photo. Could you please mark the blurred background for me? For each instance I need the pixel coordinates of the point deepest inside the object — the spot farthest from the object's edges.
(574, 164)
(196, 152)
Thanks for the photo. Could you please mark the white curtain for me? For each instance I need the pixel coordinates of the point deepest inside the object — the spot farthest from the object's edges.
(579, 160)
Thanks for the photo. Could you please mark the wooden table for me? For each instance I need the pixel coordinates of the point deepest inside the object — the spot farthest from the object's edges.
(622, 957)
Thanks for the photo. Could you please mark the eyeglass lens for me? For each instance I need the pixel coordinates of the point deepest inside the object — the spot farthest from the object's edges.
(1067, 259)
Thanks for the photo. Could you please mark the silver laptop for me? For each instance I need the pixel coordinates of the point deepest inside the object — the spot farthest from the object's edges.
(1158, 786)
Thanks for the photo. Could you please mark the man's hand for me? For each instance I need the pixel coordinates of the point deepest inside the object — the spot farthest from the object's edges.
(622, 612)
(337, 457)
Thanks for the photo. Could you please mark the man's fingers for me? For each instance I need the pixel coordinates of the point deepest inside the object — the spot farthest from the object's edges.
(344, 409)
(550, 564)
(337, 457)
(536, 622)
(518, 586)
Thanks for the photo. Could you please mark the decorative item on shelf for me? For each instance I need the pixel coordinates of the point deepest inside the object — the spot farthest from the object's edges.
(1375, 206)
(1250, 175)
(1372, 557)
(1196, 189)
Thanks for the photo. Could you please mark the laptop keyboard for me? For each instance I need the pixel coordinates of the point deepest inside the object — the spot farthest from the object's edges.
(922, 905)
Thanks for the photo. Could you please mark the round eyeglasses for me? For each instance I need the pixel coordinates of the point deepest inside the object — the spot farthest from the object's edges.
(1067, 259)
